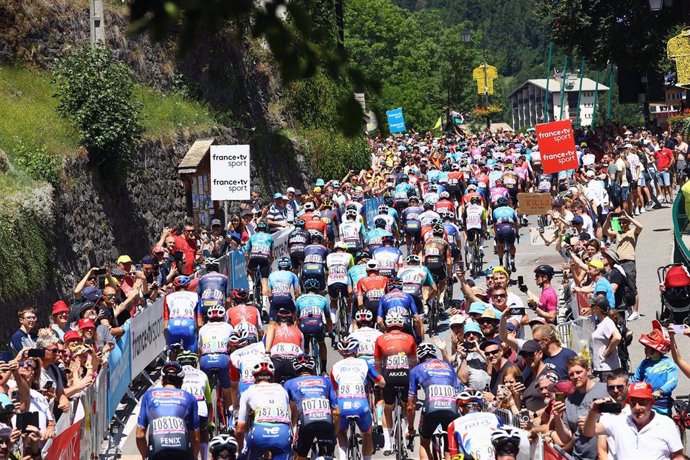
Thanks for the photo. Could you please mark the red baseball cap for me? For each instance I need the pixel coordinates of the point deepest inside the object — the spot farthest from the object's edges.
(642, 390)
(86, 323)
(60, 307)
(71, 335)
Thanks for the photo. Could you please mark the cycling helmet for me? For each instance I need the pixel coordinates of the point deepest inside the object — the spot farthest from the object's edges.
(340, 245)
(434, 188)
(435, 222)
(222, 442)
(502, 201)
(285, 316)
(471, 188)
(394, 283)
(475, 200)
(298, 223)
(312, 284)
(505, 434)
(262, 227)
(351, 213)
(328, 204)
(394, 319)
(304, 363)
(239, 337)
(380, 223)
(404, 177)
(473, 181)
(454, 167)
(412, 259)
(364, 316)
(372, 266)
(426, 350)
(388, 200)
(316, 215)
(239, 295)
(316, 236)
(387, 239)
(445, 195)
(216, 311)
(173, 370)
(188, 358)
(348, 345)
(212, 265)
(265, 367)
(284, 263)
(383, 209)
(362, 255)
(469, 396)
(428, 205)
(351, 206)
(413, 198)
(182, 281)
(545, 270)
(438, 230)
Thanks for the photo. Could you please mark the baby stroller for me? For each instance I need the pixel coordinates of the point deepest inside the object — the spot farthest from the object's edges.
(674, 284)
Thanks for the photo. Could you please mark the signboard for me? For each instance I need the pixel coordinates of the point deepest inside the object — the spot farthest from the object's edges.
(557, 146)
(238, 270)
(549, 234)
(230, 176)
(534, 204)
(396, 121)
(148, 340)
(66, 445)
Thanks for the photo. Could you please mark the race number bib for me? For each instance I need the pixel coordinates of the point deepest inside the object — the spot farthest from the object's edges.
(286, 349)
(398, 361)
(316, 409)
(351, 390)
(271, 414)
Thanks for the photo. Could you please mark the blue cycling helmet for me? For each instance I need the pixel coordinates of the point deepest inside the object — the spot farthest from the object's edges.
(262, 227)
(182, 281)
(312, 284)
(284, 263)
(503, 201)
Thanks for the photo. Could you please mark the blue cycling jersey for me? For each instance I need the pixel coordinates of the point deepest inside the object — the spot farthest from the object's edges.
(661, 375)
(440, 384)
(504, 214)
(375, 238)
(311, 309)
(397, 301)
(314, 397)
(356, 273)
(171, 415)
(315, 254)
(403, 191)
(280, 283)
(259, 245)
(433, 175)
(213, 289)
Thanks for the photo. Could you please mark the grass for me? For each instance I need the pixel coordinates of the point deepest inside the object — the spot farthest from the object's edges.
(28, 112)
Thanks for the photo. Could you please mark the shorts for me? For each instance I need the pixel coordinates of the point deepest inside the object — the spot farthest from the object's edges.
(390, 390)
(219, 362)
(203, 422)
(260, 263)
(641, 181)
(454, 250)
(277, 305)
(504, 235)
(439, 274)
(315, 431)
(318, 275)
(319, 332)
(415, 230)
(624, 193)
(359, 407)
(630, 272)
(664, 178)
(474, 233)
(185, 335)
(429, 422)
(170, 454)
(284, 370)
(297, 258)
(336, 288)
(275, 438)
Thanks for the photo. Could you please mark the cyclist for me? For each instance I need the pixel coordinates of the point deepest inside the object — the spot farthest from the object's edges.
(498, 192)
(432, 196)
(243, 316)
(246, 353)
(395, 354)
(412, 226)
(170, 415)
(338, 263)
(349, 376)
(391, 221)
(463, 436)
(352, 232)
(313, 313)
(388, 256)
(476, 223)
(429, 216)
(403, 192)
(269, 405)
(506, 443)
(396, 300)
(297, 240)
(371, 288)
(284, 342)
(179, 309)
(214, 345)
(365, 335)
(506, 227)
(452, 233)
(440, 384)
(417, 281)
(213, 289)
(315, 254)
(259, 251)
(196, 383)
(437, 257)
(223, 447)
(284, 287)
(313, 401)
(375, 236)
(444, 205)
(456, 180)
(316, 226)
(331, 219)
(471, 192)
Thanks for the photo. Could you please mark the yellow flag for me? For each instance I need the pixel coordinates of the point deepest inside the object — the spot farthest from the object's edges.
(438, 123)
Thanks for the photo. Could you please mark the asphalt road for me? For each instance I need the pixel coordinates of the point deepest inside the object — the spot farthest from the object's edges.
(654, 249)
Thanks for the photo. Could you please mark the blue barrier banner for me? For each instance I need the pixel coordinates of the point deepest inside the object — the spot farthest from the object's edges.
(371, 209)
(119, 371)
(238, 270)
(396, 120)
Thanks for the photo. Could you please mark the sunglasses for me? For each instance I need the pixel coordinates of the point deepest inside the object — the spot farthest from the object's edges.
(615, 387)
(27, 364)
(486, 321)
(29, 317)
(499, 296)
(53, 350)
(491, 353)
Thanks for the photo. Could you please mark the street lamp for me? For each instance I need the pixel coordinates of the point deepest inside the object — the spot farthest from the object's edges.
(656, 5)
(466, 37)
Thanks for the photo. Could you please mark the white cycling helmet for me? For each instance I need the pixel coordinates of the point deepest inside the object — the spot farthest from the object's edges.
(393, 318)
(222, 442)
(364, 315)
(373, 265)
(216, 311)
(340, 245)
(505, 434)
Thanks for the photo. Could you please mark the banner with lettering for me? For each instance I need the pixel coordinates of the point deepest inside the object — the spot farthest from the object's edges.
(238, 270)
(147, 337)
(66, 445)
(557, 146)
(119, 371)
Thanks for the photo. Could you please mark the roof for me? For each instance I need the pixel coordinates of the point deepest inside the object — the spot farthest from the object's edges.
(555, 85)
(194, 155)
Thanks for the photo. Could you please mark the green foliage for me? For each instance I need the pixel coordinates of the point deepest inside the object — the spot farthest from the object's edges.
(331, 154)
(314, 102)
(97, 92)
(37, 161)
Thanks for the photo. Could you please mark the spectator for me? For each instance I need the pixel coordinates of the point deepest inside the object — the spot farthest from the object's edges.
(511, 397)
(189, 246)
(535, 367)
(600, 286)
(554, 353)
(24, 337)
(473, 366)
(626, 243)
(34, 399)
(90, 280)
(8, 438)
(488, 322)
(497, 365)
(665, 160)
(547, 305)
(642, 434)
(569, 416)
(604, 340)
(50, 372)
(617, 387)
(60, 318)
(277, 217)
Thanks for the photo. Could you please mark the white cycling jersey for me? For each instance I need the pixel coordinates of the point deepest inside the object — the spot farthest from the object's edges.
(366, 336)
(242, 363)
(181, 304)
(474, 216)
(428, 216)
(268, 402)
(337, 264)
(196, 383)
(214, 337)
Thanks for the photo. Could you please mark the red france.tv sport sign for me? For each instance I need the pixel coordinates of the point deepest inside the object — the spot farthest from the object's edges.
(557, 146)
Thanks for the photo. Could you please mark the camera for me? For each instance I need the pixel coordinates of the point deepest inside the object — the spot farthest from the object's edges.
(524, 416)
(610, 408)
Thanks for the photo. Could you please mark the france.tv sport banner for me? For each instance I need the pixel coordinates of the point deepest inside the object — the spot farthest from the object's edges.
(396, 120)
(557, 146)
(230, 172)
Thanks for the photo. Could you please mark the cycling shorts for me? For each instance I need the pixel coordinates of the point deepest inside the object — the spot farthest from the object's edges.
(474, 233)
(170, 454)
(284, 370)
(219, 362)
(297, 258)
(454, 250)
(336, 288)
(282, 302)
(505, 233)
(429, 422)
(274, 438)
(390, 390)
(439, 274)
(358, 407)
(330, 233)
(318, 333)
(413, 228)
(315, 431)
(261, 263)
(184, 335)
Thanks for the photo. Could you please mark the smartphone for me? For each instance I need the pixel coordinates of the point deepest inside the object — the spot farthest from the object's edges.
(678, 328)
(14, 395)
(560, 396)
(523, 288)
(517, 311)
(467, 345)
(521, 280)
(610, 408)
(6, 355)
(25, 419)
(519, 379)
(137, 267)
(101, 272)
(524, 416)
(48, 386)
(36, 353)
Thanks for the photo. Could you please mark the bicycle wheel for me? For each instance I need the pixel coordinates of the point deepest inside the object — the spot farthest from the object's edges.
(353, 450)
(257, 290)
(314, 348)
(342, 314)
(400, 451)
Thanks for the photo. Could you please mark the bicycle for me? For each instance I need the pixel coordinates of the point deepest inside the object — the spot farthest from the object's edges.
(313, 349)
(353, 450)
(219, 419)
(475, 258)
(434, 313)
(681, 407)
(322, 448)
(438, 444)
(343, 324)
(398, 417)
